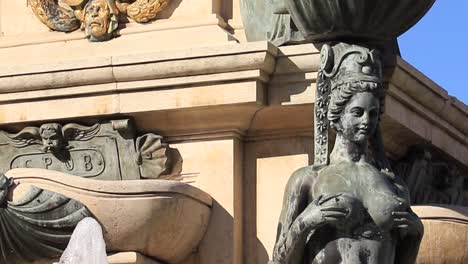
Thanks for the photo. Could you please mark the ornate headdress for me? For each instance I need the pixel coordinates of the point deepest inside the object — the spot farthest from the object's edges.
(345, 63)
(342, 64)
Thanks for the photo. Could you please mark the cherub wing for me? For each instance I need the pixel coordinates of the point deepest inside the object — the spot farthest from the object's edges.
(26, 137)
(79, 132)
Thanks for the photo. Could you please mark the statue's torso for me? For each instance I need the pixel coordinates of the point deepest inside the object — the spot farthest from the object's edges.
(367, 237)
(354, 251)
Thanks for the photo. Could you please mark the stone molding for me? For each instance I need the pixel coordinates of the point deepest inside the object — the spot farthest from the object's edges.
(420, 88)
(258, 57)
(44, 38)
(237, 87)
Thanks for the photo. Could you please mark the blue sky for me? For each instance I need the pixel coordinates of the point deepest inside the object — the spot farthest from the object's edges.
(438, 46)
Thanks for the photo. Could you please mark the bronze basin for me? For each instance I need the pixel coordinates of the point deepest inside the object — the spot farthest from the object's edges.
(374, 20)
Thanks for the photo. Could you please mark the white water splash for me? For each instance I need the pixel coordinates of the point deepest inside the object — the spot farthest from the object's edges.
(86, 245)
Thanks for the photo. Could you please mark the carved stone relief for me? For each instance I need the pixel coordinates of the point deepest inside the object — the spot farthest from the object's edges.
(98, 18)
(431, 180)
(107, 151)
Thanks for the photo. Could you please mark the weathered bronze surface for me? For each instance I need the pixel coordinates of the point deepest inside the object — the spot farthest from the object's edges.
(349, 207)
(287, 21)
(98, 18)
(37, 227)
(106, 151)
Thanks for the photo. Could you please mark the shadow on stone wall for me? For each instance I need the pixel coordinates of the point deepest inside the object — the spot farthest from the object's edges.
(216, 246)
(268, 166)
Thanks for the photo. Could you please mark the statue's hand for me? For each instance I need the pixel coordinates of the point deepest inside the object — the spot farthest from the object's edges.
(407, 223)
(328, 209)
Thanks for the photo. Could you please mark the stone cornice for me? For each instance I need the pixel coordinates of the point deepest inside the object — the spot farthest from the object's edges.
(423, 90)
(139, 67)
(44, 38)
(253, 89)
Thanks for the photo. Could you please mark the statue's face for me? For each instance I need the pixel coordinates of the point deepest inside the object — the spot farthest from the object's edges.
(51, 140)
(360, 117)
(97, 18)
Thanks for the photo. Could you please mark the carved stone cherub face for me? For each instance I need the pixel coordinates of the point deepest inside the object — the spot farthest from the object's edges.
(97, 20)
(52, 139)
(360, 117)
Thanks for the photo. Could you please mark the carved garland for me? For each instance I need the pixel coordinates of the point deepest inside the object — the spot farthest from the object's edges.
(320, 121)
(70, 15)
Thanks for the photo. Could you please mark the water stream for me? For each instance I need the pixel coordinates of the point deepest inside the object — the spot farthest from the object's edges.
(86, 245)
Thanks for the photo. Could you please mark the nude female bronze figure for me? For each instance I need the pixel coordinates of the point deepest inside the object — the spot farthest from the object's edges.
(351, 208)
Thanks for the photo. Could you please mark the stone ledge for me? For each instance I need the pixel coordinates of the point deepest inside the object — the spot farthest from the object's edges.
(137, 67)
(253, 89)
(429, 94)
(53, 52)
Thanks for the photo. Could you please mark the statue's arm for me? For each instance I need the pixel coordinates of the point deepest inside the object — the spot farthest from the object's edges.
(292, 231)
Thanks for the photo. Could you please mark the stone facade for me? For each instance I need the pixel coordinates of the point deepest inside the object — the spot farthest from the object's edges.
(239, 113)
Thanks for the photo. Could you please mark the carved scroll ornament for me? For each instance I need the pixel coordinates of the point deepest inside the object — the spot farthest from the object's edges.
(98, 18)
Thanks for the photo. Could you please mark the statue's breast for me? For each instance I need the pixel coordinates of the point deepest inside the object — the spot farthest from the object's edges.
(367, 184)
(381, 202)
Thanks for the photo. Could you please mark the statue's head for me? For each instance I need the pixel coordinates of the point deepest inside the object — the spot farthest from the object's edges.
(357, 95)
(100, 19)
(52, 138)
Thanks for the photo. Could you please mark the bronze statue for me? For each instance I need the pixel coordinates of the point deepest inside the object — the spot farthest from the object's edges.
(351, 208)
(303, 21)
